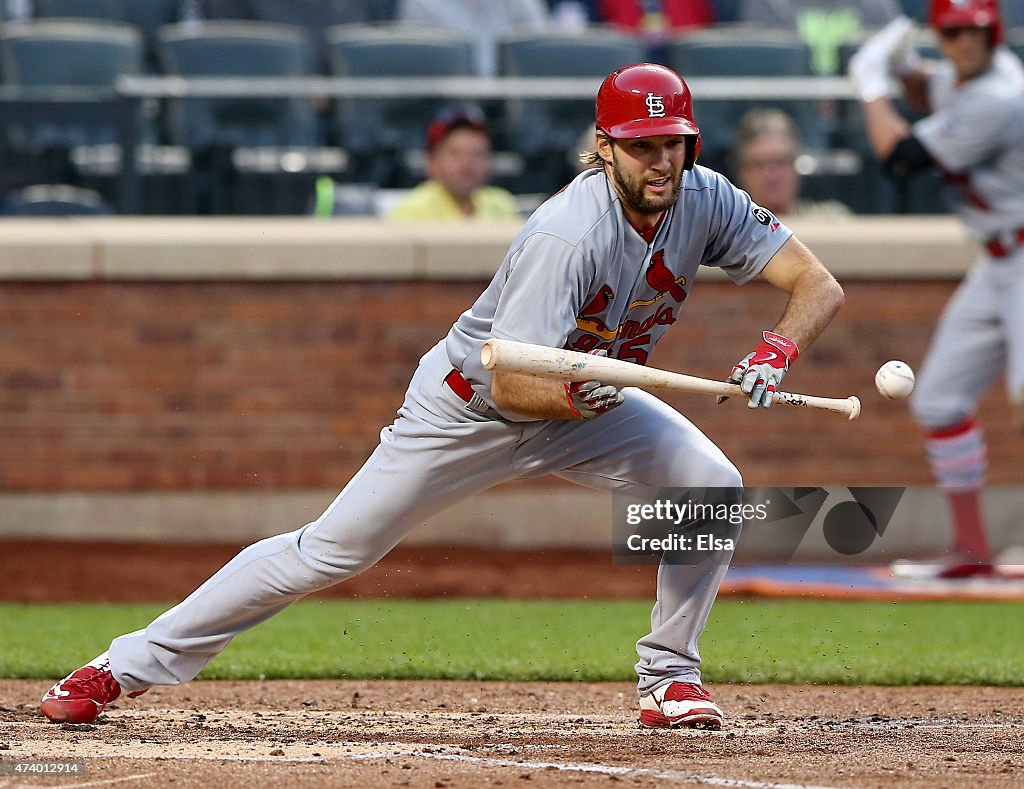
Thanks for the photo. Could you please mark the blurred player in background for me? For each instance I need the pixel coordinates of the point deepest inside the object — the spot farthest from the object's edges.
(975, 136)
(459, 165)
(605, 266)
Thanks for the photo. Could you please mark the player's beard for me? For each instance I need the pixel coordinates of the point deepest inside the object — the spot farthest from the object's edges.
(631, 190)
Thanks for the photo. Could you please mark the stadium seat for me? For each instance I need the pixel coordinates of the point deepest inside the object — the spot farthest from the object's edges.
(916, 10)
(54, 200)
(373, 131)
(149, 16)
(742, 53)
(230, 49)
(1015, 40)
(248, 153)
(726, 11)
(110, 10)
(1013, 13)
(50, 53)
(542, 130)
(383, 10)
(63, 53)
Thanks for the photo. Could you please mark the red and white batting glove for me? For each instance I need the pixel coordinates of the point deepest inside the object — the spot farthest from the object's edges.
(590, 399)
(760, 372)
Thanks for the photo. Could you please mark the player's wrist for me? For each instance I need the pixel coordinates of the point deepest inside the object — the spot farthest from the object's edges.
(572, 406)
(781, 343)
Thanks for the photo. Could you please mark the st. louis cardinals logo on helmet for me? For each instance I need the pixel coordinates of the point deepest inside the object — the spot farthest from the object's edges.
(945, 14)
(648, 100)
(655, 106)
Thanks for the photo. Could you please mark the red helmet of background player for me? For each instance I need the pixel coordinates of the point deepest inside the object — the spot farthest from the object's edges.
(647, 100)
(967, 13)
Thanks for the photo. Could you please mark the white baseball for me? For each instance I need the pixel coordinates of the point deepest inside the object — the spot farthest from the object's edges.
(894, 380)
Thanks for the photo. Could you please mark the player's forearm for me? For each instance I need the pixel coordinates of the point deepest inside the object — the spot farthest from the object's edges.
(885, 126)
(815, 299)
(530, 396)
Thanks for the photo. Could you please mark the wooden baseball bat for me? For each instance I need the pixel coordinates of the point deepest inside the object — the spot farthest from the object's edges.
(557, 363)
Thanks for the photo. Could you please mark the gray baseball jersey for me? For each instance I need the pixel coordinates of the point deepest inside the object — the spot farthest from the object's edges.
(579, 275)
(976, 134)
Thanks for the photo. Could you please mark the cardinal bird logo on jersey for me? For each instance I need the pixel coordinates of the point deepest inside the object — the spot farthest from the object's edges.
(586, 320)
(662, 280)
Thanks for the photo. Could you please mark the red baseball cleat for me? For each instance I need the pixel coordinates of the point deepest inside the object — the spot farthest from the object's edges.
(83, 694)
(680, 704)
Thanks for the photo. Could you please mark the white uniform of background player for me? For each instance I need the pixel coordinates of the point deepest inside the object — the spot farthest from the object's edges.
(605, 264)
(975, 135)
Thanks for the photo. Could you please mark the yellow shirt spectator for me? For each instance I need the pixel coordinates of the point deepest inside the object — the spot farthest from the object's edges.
(430, 200)
(458, 168)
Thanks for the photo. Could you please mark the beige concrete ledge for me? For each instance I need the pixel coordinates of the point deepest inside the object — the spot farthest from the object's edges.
(249, 248)
(502, 518)
(297, 248)
(45, 249)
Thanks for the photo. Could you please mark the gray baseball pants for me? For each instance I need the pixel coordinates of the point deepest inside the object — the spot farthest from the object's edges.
(437, 453)
(979, 336)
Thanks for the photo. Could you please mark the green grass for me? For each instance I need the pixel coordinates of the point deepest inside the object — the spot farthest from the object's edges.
(746, 641)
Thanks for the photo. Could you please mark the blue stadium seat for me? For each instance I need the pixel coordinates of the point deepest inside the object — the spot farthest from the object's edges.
(916, 10)
(374, 130)
(545, 130)
(1013, 13)
(59, 53)
(226, 49)
(726, 11)
(149, 16)
(383, 10)
(742, 53)
(54, 200)
(1015, 40)
(110, 10)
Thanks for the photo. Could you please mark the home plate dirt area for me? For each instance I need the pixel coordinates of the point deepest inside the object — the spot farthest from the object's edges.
(472, 734)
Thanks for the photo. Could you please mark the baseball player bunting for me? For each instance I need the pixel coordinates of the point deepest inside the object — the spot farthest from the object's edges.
(605, 265)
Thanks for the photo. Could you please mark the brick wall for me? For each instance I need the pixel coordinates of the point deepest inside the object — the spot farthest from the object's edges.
(284, 385)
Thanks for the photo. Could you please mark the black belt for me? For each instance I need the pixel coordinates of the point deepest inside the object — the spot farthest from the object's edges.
(462, 388)
(1003, 245)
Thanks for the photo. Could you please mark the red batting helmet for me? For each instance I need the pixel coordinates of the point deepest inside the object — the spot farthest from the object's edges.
(967, 13)
(647, 100)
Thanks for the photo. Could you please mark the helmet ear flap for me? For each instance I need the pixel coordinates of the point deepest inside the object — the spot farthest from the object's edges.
(692, 151)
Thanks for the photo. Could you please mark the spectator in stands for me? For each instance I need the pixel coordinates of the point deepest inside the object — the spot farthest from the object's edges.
(824, 24)
(767, 146)
(656, 20)
(482, 21)
(458, 167)
(657, 17)
(314, 16)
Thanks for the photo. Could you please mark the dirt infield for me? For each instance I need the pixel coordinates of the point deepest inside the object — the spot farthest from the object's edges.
(466, 734)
